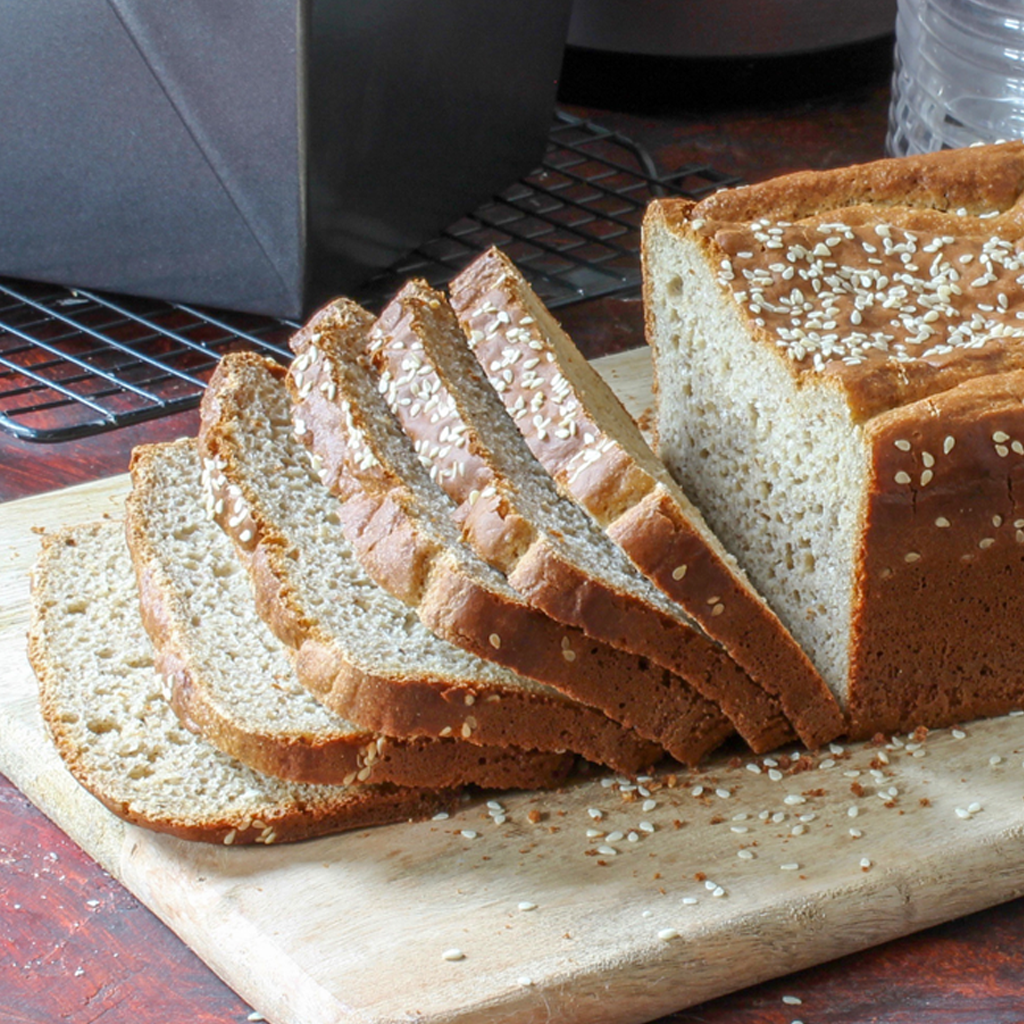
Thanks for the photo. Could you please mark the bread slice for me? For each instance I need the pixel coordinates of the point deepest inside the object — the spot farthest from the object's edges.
(104, 706)
(839, 360)
(513, 516)
(360, 650)
(397, 517)
(596, 454)
(234, 682)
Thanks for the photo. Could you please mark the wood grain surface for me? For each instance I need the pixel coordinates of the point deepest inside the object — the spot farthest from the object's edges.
(302, 932)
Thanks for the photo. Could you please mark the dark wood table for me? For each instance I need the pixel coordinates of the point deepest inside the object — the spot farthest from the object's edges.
(76, 947)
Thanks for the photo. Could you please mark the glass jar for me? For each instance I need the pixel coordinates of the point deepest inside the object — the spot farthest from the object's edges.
(959, 74)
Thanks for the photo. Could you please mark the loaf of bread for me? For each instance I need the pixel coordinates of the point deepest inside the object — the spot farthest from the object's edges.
(551, 551)
(839, 359)
(597, 456)
(396, 516)
(104, 706)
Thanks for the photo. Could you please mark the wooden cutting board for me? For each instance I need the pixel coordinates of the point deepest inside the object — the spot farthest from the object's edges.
(702, 884)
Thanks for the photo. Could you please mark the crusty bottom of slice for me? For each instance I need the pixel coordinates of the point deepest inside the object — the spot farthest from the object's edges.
(104, 707)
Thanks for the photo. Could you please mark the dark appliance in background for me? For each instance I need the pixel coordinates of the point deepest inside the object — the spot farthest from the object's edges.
(259, 155)
(664, 56)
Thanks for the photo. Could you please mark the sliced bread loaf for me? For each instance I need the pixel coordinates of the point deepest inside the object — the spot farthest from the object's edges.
(360, 650)
(596, 454)
(397, 517)
(104, 706)
(513, 516)
(234, 682)
(839, 360)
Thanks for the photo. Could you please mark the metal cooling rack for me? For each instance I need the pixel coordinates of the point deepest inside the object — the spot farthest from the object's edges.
(79, 362)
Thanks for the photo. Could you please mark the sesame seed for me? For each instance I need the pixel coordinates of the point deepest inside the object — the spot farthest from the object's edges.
(856, 833)
(494, 640)
(792, 866)
(792, 1000)
(667, 934)
(865, 862)
(679, 572)
(526, 905)
(453, 954)
(468, 833)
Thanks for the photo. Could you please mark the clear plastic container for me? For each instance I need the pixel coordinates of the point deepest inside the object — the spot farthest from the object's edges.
(959, 74)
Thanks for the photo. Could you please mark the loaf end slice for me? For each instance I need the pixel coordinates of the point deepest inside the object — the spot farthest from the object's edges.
(103, 704)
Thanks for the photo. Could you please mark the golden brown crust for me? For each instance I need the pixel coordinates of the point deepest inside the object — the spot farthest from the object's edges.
(940, 584)
(978, 179)
(920, 257)
(485, 715)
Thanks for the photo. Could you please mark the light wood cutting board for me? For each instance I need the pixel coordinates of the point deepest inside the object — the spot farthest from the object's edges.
(354, 927)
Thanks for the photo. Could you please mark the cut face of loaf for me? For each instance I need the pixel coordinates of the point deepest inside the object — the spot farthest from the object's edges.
(587, 441)
(456, 593)
(104, 706)
(233, 681)
(359, 649)
(838, 359)
(550, 550)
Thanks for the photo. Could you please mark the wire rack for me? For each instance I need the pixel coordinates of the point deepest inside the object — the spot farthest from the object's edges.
(75, 362)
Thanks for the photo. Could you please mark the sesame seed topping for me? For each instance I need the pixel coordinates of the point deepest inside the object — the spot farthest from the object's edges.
(679, 572)
(494, 640)
(453, 954)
